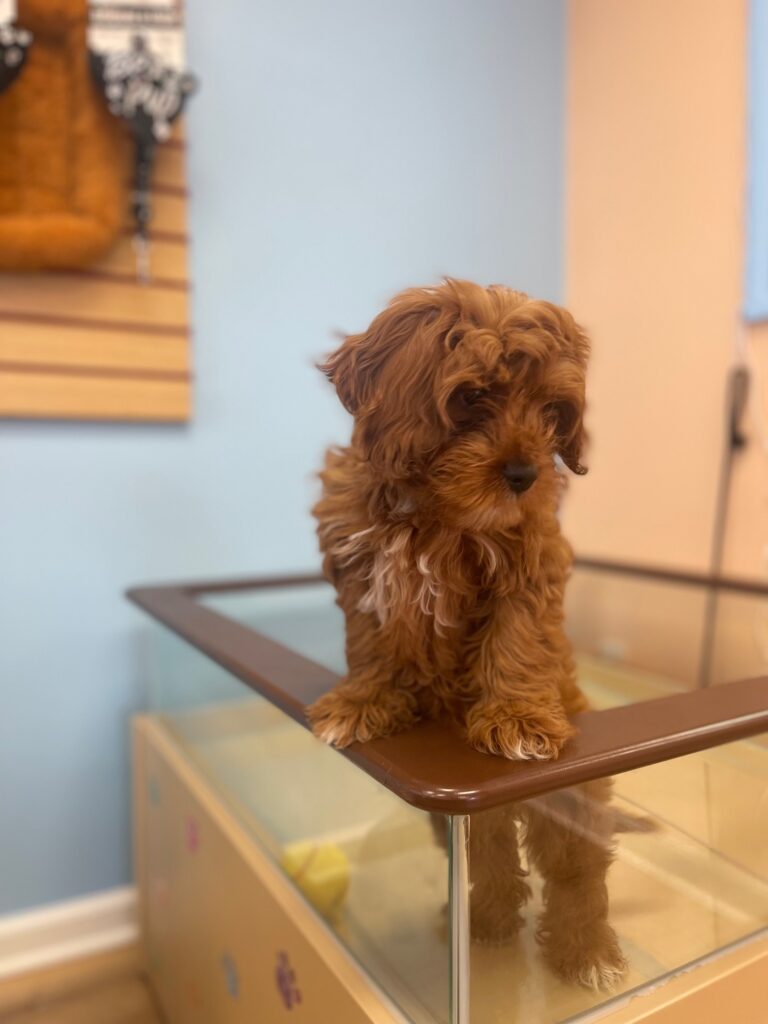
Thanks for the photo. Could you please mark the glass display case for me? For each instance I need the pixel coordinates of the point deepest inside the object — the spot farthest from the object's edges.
(470, 888)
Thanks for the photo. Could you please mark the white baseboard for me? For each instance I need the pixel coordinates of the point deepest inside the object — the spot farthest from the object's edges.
(65, 931)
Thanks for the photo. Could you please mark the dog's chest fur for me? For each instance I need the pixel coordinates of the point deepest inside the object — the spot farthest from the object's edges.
(421, 605)
(428, 592)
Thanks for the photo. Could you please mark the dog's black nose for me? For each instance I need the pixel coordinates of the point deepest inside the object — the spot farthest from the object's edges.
(519, 477)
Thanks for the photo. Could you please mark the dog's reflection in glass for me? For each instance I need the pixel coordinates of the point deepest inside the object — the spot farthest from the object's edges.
(568, 838)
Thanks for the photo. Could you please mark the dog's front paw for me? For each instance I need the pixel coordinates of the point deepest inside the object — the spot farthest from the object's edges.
(517, 730)
(341, 717)
(593, 960)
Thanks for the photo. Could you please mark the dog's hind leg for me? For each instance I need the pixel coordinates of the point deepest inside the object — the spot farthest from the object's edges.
(569, 838)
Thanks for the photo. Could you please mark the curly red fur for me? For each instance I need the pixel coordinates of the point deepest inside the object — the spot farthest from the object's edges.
(452, 585)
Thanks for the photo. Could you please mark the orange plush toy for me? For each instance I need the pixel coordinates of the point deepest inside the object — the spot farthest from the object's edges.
(64, 162)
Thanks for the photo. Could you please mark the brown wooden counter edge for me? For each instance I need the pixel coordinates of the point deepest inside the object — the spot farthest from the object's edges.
(431, 766)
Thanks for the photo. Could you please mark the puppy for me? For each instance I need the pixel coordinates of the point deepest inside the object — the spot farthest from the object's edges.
(439, 530)
(438, 524)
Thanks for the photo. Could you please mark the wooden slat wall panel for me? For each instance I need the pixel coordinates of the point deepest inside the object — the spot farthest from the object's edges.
(36, 344)
(169, 213)
(74, 296)
(96, 343)
(70, 396)
(168, 261)
(170, 167)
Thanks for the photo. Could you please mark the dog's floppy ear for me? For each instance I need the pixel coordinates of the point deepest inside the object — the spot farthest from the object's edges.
(569, 432)
(565, 411)
(354, 368)
(351, 372)
(571, 435)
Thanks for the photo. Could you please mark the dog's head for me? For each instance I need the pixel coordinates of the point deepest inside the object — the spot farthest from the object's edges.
(463, 396)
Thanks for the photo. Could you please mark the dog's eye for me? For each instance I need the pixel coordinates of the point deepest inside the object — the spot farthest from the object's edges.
(473, 395)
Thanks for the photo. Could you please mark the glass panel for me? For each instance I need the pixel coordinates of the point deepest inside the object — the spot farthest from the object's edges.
(740, 648)
(689, 878)
(374, 867)
(635, 639)
(638, 638)
(304, 618)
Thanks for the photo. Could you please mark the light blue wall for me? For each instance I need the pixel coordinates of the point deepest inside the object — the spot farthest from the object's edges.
(756, 263)
(339, 150)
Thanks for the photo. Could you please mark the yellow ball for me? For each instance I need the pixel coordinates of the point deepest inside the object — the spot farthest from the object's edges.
(321, 871)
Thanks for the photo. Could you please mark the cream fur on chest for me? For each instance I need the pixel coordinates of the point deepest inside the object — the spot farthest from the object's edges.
(405, 578)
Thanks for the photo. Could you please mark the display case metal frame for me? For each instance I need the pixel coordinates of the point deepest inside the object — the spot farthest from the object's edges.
(431, 766)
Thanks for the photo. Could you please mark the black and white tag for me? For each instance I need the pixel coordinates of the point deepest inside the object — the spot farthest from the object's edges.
(136, 50)
(137, 53)
(14, 43)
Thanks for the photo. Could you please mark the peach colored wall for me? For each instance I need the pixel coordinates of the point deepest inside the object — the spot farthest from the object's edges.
(656, 171)
(654, 268)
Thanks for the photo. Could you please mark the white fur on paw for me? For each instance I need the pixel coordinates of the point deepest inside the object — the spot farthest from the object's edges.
(330, 734)
(531, 750)
(602, 977)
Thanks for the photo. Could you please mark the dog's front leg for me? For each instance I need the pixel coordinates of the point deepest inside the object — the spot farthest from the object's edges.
(373, 700)
(522, 670)
(361, 708)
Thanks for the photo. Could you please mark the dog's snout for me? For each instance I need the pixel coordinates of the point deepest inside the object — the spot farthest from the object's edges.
(519, 476)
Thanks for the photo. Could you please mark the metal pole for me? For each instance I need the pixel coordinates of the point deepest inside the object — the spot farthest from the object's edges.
(738, 387)
(458, 866)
